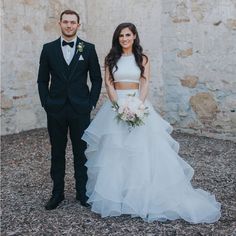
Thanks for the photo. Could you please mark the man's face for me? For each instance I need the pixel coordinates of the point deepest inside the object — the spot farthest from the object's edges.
(69, 25)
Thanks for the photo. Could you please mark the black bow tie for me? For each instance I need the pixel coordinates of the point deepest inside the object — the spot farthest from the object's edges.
(71, 44)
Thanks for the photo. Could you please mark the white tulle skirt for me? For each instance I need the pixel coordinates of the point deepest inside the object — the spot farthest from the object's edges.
(140, 173)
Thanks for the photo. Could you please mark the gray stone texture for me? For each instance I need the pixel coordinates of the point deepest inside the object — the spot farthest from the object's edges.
(190, 43)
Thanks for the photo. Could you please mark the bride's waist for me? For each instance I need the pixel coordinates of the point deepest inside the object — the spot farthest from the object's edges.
(124, 92)
(126, 85)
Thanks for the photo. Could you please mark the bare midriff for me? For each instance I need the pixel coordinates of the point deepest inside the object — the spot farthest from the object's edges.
(126, 85)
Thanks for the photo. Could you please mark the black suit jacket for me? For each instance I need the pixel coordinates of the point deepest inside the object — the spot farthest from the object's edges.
(58, 82)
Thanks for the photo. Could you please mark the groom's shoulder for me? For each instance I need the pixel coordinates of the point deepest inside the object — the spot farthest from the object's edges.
(86, 43)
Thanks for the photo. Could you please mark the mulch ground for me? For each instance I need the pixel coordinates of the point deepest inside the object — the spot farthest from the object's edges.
(26, 186)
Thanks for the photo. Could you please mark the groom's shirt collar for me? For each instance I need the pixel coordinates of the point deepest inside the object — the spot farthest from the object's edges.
(74, 40)
(68, 52)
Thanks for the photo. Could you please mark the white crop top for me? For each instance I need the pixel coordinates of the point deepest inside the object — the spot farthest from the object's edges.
(128, 70)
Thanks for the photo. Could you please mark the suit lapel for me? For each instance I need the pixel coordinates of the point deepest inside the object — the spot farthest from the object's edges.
(76, 54)
(75, 59)
(59, 56)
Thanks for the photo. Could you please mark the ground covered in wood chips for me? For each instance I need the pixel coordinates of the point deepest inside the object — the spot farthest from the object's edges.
(26, 186)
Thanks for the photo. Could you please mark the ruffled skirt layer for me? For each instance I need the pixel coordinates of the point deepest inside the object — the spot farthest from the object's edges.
(139, 172)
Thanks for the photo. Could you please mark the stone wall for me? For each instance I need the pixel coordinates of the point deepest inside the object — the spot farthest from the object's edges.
(191, 45)
(199, 65)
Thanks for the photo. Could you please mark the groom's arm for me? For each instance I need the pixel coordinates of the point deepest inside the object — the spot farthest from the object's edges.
(43, 77)
(95, 76)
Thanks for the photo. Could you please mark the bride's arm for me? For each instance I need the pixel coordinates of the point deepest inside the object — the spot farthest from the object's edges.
(144, 82)
(109, 83)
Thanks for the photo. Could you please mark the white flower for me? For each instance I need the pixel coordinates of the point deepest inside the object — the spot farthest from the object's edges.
(131, 110)
(80, 47)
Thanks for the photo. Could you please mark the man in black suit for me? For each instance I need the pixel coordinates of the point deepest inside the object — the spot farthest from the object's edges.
(68, 101)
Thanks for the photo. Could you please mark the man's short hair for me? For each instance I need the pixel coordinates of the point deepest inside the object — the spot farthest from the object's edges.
(70, 12)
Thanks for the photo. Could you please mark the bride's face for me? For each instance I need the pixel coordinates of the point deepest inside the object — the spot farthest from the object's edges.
(126, 38)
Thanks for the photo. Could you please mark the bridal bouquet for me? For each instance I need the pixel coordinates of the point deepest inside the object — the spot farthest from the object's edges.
(130, 110)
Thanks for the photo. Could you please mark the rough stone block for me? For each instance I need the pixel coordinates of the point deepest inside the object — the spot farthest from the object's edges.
(205, 106)
(231, 24)
(185, 53)
(6, 103)
(189, 81)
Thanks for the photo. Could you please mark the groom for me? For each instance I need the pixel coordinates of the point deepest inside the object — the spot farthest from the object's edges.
(62, 83)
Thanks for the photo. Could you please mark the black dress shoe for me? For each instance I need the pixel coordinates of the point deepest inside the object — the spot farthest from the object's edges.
(82, 200)
(85, 204)
(53, 202)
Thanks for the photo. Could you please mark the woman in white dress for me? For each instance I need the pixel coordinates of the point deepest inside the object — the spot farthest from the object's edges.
(138, 172)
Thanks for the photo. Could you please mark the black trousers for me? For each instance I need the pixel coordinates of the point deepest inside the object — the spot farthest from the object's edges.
(58, 126)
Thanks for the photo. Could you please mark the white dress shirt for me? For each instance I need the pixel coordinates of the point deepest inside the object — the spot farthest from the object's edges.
(68, 52)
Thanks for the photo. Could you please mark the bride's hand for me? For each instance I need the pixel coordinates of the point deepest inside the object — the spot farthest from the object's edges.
(142, 106)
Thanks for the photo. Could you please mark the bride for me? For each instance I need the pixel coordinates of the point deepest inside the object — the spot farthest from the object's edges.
(138, 171)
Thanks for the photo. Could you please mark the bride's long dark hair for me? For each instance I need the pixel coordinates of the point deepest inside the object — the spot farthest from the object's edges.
(116, 51)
